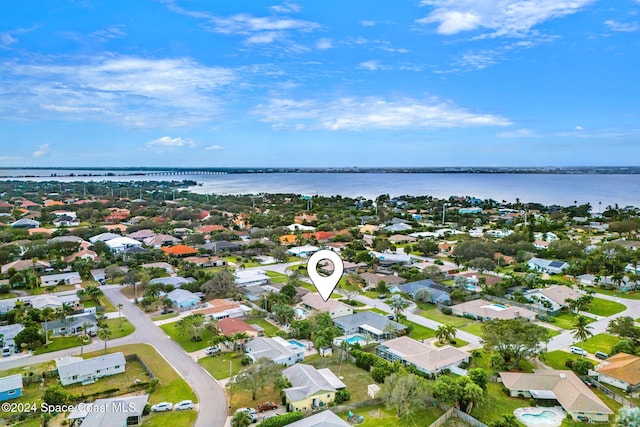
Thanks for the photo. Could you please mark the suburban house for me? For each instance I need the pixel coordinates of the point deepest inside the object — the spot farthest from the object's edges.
(399, 227)
(424, 357)
(183, 298)
(391, 258)
(179, 250)
(250, 277)
(221, 309)
(480, 309)
(66, 221)
(368, 322)
(437, 293)
(230, 326)
(10, 387)
(303, 251)
(314, 301)
(175, 281)
(99, 275)
(398, 239)
(222, 246)
(8, 333)
(26, 264)
(371, 280)
(206, 261)
(621, 370)
(70, 278)
(78, 370)
(159, 240)
(552, 298)
(311, 388)
(85, 254)
(163, 265)
(277, 349)
(321, 419)
(607, 281)
(103, 237)
(120, 244)
(25, 223)
(564, 387)
(54, 301)
(72, 325)
(547, 266)
(113, 412)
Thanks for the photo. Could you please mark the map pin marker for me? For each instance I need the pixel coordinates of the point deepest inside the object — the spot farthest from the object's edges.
(325, 285)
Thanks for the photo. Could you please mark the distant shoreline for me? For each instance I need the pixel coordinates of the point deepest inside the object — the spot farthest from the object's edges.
(144, 171)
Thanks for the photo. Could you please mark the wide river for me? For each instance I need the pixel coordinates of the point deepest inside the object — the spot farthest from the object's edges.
(563, 189)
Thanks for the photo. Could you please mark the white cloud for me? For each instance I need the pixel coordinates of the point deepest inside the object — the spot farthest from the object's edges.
(43, 150)
(518, 133)
(579, 128)
(324, 44)
(168, 143)
(355, 114)
(369, 65)
(6, 40)
(113, 32)
(128, 91)
(286, 7)
(214, 147)
(512, 18)
(625, 27)
(372, 23)
(254, 28)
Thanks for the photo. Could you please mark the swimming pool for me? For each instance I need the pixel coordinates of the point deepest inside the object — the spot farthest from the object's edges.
(542, 418)
(297, 343)
(300, 312)
(356, 339)
(539, 417)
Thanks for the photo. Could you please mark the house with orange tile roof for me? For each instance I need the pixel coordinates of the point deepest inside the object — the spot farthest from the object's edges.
(208, 229)
(179, 250)
(49, 203)
(621, 370)
(288, 239)
(230, 326)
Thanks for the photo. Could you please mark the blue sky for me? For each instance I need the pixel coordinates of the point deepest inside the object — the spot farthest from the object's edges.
(322, 83)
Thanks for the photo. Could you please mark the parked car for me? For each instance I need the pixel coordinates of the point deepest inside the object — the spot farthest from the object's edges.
(167, 311)
(212, 351)
(183, 405)
(251, 412)
(267, 406)
(6, 351)
(162, 407)
(578, 351)
(601, 355)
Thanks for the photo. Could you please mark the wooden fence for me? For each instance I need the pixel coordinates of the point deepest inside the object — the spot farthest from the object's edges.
(456, 413)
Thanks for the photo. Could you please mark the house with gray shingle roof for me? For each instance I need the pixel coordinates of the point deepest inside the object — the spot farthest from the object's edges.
(74, 370)
(368, 322)
(310, 387)
(321, 419)
(277, 349)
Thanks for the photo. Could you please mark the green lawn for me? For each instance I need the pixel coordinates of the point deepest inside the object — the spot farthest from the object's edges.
(419, 332)
(8, 295)
(354, 378)
(276, 277)
(459, 343)
(379, 416)
(600, 342)
(108, 306)
(474, 328)
(628, 295)
(119, 328)
(556, 359)
(377, 310)
(497, 404)
(59, 343)
(431, 312)
(164, 316)
(270, 329)
(603, 307)
(220, 366)
(185, 341)
(566, 320)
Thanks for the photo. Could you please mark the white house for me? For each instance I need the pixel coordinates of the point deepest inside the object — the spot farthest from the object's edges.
(119, 244)
(303, 251)
(74, 370)
(66, 221)
(552, 298)
(277, 349)
(71, 278)
(621, 370)
(547, 266)
(183, 298)
(251, 277)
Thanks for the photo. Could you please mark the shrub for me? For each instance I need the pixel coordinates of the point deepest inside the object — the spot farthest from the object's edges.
(246, 360)
(342, 396)
(446, 310)
(282, 420)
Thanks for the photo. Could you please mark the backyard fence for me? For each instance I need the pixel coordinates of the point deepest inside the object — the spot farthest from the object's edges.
(610, 393)
(136, 358)
(456, 413)
(354, 406)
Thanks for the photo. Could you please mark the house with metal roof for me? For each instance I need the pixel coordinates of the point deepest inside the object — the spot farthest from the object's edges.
(311, 388)
(368, 322)
(74, 370)
(10, 387)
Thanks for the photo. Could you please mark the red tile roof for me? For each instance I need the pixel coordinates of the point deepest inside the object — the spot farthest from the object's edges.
(179, 250)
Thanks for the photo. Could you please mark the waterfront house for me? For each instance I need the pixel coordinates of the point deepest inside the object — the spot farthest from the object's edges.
(74, 370)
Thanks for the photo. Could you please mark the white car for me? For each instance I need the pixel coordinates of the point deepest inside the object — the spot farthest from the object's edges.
(183, 406)
(251, 412)
(212, 351)
(162, 407)
(579, 351)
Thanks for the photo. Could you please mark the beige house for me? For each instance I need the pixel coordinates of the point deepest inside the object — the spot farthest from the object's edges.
(621, 370)
(564, 387)
(552, 298)
(484, 310)
(311, 388)
(313, 301)
(426, 358)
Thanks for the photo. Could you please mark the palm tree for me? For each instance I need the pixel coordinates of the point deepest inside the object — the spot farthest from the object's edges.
(84, 338)
(581, 330)
(239, 336)
(48, 313)
(442, 333)
(397, 305)
(628, 417)
(452, 331)
(104, 333)
(120, 307)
